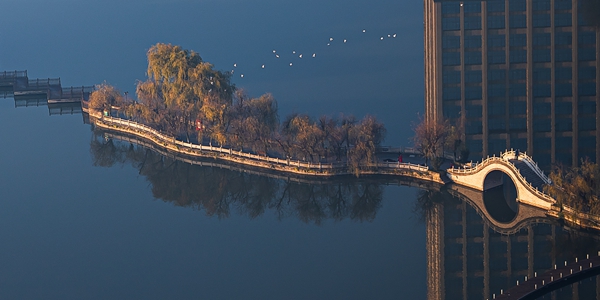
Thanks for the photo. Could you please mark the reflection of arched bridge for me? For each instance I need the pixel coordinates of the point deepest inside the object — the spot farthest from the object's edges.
(520, 168)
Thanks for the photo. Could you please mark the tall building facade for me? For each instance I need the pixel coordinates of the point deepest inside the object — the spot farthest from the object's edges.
(519, 74)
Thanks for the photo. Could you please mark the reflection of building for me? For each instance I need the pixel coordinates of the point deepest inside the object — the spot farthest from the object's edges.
(468, 259)
(517, 74)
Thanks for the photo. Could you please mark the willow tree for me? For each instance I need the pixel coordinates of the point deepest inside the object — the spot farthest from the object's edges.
(253, 122)
(104, 97)
(184, 87)
(364, 137)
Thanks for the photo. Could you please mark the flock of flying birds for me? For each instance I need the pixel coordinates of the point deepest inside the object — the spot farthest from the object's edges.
(298, 55)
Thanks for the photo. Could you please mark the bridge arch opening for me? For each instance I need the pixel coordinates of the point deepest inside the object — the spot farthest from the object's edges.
(500, 197)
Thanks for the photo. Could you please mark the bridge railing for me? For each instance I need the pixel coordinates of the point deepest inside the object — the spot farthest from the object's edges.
(489, 160)
(184, 147)
(512, 154)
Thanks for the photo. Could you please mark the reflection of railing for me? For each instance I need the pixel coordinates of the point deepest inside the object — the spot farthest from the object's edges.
(249, 158)
(12, 74)
(43, 82)
(503, 159)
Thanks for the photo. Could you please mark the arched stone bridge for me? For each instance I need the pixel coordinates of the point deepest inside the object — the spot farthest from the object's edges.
(528, 178)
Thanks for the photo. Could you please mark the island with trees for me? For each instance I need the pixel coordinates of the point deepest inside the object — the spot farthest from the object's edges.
(186, 105)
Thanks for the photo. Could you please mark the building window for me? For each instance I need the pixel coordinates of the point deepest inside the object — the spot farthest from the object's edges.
(541, 39)
(563, 54)
(563, 124)
(495, 6)
(541, 20)
(473, 127)
(562, 20)
(496, 74)
(451, 58)
(587, 89)
(563, 108)
(473, 22)
(518, 40)
(474, 111)
(587, 73)
(451, 111)
(541, 74)
(588, 141)
(518, 124)
(542, 108)
(586, 123)
(564, 142)
(496, 125)
(451, 93)
(496, 41)
(452, 23)
(518, 56)
(562, 4)
(541, 90)
(496, 57)
(517, 74)
(517, 21)
(473, 41)
(450, 8)
(563, 74)
(496, 90)
(517, 90)
(496, 108)
(495, 22)
(541, 5)
(474, 146)
(450, 77)
(563, 38)
(517, 5)
(473, 76)
(472, 57)
(587, 38)
(541, 125)
(517, 107)
(472, 7)
(473, 92)
(564, 90)
(542, 142)
(450, 41)
(587, 107)
(586, 54)
(541, 55)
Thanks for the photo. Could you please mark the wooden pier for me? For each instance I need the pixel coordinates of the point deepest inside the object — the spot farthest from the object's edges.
(47, 91)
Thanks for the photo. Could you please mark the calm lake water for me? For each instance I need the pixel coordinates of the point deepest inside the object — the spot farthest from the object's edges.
(86, 217)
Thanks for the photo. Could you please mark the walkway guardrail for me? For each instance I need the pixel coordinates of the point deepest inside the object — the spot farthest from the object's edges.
(191, 148)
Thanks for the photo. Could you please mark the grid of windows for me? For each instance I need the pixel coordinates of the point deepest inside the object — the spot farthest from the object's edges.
(506, 84)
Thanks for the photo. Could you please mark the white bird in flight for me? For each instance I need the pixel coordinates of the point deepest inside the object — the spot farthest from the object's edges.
(263, 66)
(314, 55)
(330, 39)
(364, 30)
(242, 75)
(300, 55)
(277, 55)
(290, 64)
(235, 65)
(345, 40)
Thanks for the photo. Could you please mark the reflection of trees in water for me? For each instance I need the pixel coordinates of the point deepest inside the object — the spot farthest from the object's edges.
(220, 191)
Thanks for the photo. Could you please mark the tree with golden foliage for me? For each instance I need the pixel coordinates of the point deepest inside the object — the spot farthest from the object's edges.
(105, 97)
(576, 187)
